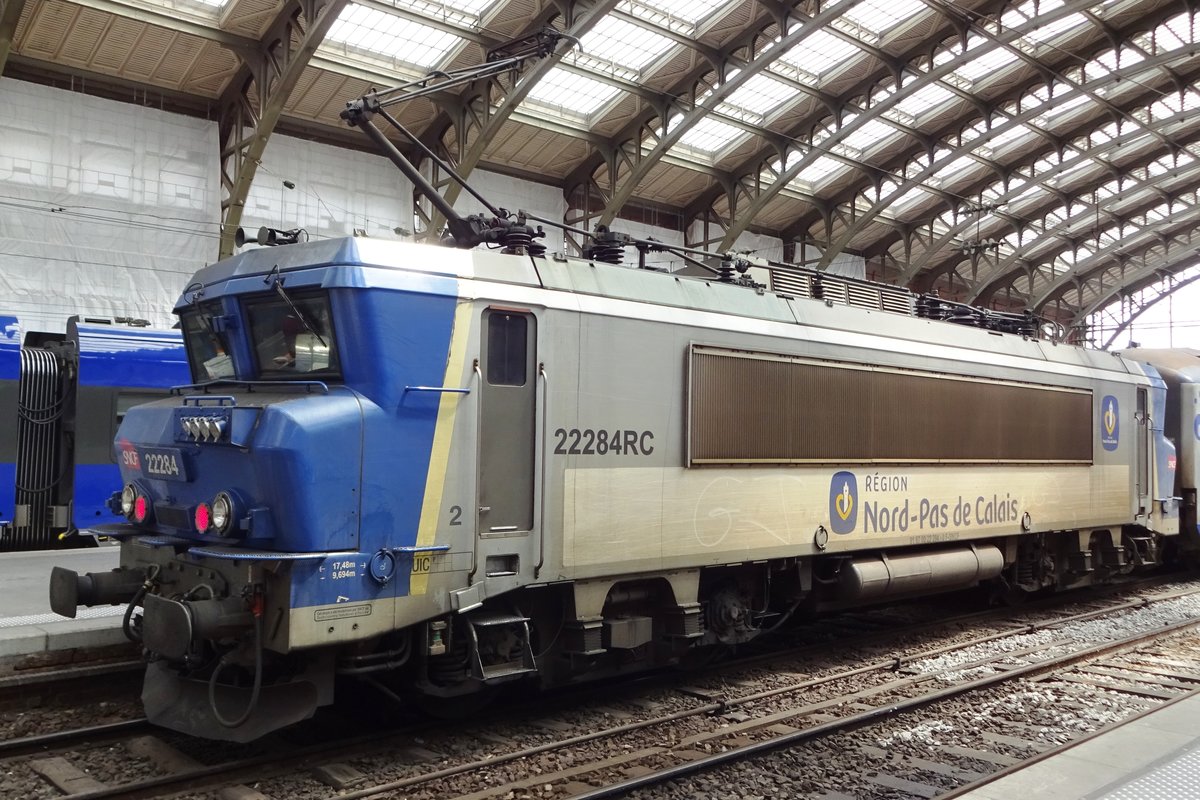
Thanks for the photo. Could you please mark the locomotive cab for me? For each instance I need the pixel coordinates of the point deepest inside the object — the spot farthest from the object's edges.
(279, 522)
(233, 487)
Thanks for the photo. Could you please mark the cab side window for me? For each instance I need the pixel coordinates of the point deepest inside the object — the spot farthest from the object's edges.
(508, 336)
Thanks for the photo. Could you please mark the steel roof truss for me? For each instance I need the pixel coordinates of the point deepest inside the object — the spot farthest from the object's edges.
(270, 72)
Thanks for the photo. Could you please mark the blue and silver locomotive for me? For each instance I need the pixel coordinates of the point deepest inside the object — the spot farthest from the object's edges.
(456, 468)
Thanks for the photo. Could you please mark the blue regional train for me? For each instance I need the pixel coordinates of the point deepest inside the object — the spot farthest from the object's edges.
(62, 397)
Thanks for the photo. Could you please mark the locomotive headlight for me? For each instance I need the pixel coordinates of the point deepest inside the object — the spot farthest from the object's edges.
(135, 504)
(222, 513)
(203, 517)
(128, 496)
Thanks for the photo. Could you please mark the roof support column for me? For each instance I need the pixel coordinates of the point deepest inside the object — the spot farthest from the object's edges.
(10, 15)
(493, 105)
(253, 102)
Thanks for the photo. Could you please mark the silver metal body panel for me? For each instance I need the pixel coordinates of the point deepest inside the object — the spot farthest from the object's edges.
(614, 344)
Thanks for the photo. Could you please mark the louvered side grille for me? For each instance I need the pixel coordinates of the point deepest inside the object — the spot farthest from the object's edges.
(898, 301)
(795, 284)
(863, 296)
(842, 291)
(771, 409)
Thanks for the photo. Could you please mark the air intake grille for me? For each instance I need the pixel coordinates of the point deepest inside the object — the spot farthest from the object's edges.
(841, 291)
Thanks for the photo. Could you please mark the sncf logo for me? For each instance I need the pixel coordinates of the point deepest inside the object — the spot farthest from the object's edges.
(1110, 422)
(843, 502)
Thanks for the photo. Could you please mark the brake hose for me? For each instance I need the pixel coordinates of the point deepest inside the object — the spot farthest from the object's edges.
(254, 692)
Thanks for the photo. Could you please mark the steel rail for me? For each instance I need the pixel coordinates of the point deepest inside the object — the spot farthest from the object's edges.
(717, 707)
(252, 767)
(863, 718)
(1064, 747)
(22, 680)
(58, 739)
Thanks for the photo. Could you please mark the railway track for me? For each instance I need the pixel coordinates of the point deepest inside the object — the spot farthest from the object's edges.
(645, 738)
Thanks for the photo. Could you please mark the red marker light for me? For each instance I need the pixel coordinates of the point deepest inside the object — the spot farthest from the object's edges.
(141, 509)
(203, 517)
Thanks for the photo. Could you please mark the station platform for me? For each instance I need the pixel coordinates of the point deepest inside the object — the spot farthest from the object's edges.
(1153, 757)
(28, 626)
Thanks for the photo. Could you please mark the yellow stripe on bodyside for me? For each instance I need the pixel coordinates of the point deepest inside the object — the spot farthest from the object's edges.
(439, 457)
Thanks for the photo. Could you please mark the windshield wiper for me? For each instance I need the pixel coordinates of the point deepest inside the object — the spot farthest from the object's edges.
(300, 315)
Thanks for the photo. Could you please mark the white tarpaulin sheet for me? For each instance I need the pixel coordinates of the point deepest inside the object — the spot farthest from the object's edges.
(334, 192)
(106, 208)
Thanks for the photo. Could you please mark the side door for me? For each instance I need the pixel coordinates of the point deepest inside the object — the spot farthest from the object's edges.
(508, 413)
(1142, 454)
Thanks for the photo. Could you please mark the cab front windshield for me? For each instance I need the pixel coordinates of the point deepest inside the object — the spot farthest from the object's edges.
(208, 352)
(292, 336)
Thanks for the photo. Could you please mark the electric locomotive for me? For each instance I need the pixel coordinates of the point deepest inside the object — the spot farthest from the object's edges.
(440, 470)
(450, 469)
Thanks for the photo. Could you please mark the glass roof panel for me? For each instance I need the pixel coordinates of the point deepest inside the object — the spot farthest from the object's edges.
(1111, 60)
(1099, 137)
(572, 94)
(1059, 107)
(1053, 30)
(1171, 104)
(1109, 235)
(987, 59)
(1159, 212)
(819, 53)
(1174, 33)
(910, 198)
(880, 16)
(960, 168)
(624, 44)
(711, 136)
(689, 12)
(820, 170)
(377, 32)
(445, 9)
(1166, 164)
(871, 133)
(924, 99)
(1014, 133)
(1013, 240)
(757, 98)
(1077, 170)
(1026, 191)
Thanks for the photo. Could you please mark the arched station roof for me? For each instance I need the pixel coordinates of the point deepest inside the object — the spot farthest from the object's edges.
(1039, 154)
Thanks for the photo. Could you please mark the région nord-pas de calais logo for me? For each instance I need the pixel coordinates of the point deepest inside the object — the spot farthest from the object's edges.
(1110, 422)
(843, 502)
